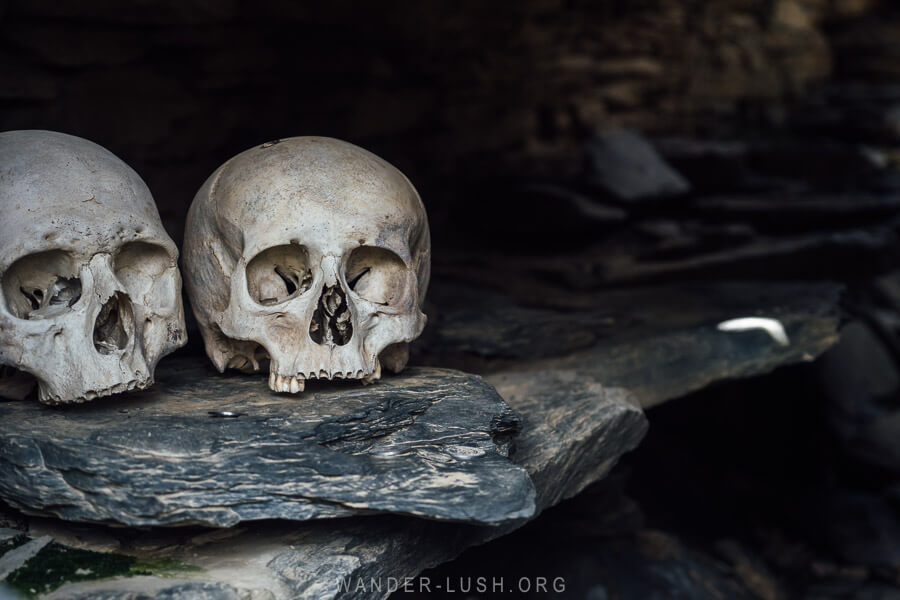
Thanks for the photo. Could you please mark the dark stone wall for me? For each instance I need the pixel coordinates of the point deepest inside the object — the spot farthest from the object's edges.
(450, 91)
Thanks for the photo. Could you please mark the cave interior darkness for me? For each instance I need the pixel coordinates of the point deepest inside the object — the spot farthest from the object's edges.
(774, 130)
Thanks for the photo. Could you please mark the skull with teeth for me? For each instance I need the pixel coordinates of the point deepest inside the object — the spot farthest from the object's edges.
(309, 253)
(90, 282)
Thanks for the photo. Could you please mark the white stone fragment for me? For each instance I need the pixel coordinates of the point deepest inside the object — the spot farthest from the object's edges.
(771, 326)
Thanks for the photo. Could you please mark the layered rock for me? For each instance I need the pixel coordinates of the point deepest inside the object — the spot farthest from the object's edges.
(204, 449)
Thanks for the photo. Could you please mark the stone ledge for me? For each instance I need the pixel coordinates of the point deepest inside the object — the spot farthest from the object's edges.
(431, 443)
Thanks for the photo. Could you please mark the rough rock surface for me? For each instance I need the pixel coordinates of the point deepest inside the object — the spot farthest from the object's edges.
(658, 342)
(570, 426)
(861, 385)
(627, 167)
(575, 366)
(14, 559)
(430, 443)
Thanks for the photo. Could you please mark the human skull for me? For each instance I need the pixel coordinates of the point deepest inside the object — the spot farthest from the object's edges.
(311, 253)
(90, 282)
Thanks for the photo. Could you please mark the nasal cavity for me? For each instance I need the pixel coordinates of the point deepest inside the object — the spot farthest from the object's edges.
(113, 325)
(331, 322)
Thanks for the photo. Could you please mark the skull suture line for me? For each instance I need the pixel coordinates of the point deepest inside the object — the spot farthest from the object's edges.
(90, 281)
(312, 253)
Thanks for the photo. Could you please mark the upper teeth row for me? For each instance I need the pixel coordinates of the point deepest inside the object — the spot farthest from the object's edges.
(293, 384)
(92, 394)
(290, 384)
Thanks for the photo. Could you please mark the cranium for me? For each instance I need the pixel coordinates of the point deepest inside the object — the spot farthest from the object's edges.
(311, 253)
(90, 282)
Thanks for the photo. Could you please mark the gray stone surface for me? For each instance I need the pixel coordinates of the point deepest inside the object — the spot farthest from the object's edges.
(430, 443)
(157, 590)
(16, 558)
(6, 533)
(576, 427)
(659, 342)
(626, 166)
(860, 382)
(7, 594)
(575, 370)
(576, 432)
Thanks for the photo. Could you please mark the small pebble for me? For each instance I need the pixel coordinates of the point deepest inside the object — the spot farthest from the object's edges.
(224, 414)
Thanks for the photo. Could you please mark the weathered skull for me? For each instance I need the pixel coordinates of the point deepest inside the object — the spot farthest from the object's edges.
(90, 282)
(312, 253)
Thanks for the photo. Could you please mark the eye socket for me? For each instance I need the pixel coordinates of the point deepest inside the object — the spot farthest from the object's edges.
(377, 275)
(139, 265)
(278, 274)
(41, 285)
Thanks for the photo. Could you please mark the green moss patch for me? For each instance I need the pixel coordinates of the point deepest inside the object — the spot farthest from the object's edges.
(12, 543)
(56, 565)
(162, 567)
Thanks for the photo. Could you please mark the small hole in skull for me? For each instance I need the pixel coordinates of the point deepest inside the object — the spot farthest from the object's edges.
(33, 297)
(290, 279)
(65, 292)
(279, 273)
(113, 325)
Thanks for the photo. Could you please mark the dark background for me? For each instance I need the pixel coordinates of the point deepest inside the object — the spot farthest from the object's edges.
(468, 98)
(781, 116)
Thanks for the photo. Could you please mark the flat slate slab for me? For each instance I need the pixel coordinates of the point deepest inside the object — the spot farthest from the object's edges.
(431, 443)
(574, 430)
(577, 368)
